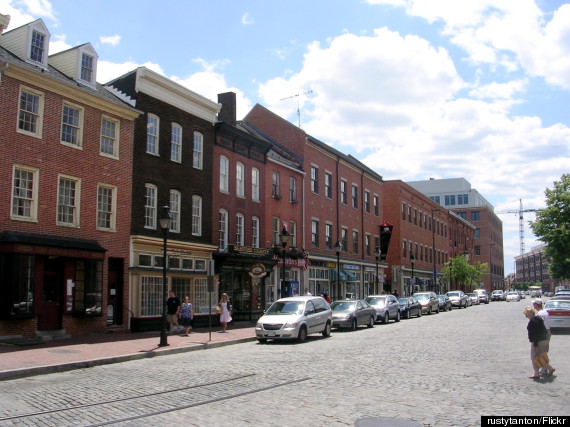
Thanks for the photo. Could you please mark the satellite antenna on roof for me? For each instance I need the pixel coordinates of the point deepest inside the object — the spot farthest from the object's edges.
(298, 95)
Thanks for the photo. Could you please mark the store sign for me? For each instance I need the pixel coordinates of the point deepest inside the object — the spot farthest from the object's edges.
(257, 271)
(249, 250)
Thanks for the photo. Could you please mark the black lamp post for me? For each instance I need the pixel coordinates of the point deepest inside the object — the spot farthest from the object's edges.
(433, 247)
(412, 261)
(164, 219)
(284, 236)
(377, 254)
(338, 249)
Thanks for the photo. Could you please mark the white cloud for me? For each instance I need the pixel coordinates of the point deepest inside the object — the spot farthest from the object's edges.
(107, 71)
(112, 40)
(24, 11)
(58, 43)
(246, 19)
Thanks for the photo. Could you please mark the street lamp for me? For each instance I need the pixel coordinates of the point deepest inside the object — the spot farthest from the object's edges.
(377, 254)
(338, 249)
(164, 219)
(284, 236)
(412, 261)
(433, 246)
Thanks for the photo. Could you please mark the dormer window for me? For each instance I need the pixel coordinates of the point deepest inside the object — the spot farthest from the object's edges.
(87, 67)
(37, 49)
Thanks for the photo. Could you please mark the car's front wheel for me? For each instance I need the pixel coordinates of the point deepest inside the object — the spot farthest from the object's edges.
(387, 318)
(371, 323)
(262, 340)
(408, 315)
(420, 312)
(353, 325)
(398, 316)
(302, 334)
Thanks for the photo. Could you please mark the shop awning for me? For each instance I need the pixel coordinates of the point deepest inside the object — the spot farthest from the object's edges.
(350, 276)
(342, 278)
(51, 241)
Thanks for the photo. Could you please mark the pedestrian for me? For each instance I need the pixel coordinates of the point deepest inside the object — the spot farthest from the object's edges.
(326, 297)
(540, 311)
(225, 313)
(172, 310)
(307, 293)
(538, 340)
(295, 292)
(396, 294)
(186, 315)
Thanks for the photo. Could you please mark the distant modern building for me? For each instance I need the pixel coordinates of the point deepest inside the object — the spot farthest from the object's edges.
(532, 267)
(457, 195)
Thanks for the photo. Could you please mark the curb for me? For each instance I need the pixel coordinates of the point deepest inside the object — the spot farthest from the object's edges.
(50, 369)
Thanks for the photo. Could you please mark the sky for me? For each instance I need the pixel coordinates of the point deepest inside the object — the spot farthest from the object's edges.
(416, 89)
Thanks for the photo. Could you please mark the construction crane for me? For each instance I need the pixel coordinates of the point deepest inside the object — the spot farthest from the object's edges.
(520, 212)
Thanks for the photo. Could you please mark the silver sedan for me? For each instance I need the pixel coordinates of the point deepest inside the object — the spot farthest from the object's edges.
(351, 314)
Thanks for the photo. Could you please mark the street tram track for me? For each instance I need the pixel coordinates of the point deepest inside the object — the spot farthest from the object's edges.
(163, 407)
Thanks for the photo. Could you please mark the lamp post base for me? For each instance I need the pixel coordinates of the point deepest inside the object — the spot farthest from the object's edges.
(163, 339)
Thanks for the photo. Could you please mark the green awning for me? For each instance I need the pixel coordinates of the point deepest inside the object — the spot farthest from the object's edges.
(350, 276)
(343, 277)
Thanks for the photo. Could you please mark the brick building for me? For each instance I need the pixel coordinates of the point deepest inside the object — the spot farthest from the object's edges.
(66, 163)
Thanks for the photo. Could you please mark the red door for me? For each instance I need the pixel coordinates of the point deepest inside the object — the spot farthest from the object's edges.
(49, 309)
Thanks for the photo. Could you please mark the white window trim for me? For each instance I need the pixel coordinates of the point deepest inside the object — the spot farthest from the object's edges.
(240, 229)
(35, 191)
(113, 225)
(176, 143)
(39, 29)
(255, 225)
(255, 180)
(79, 145)
(240, 179)
(117, 123)
(92, 54)
(41, 101)
(175, 214)
(156, 151)
(224, 175)
(200, 151)
(155, 207)
(223, 242)
(196, 227)
(76, 220)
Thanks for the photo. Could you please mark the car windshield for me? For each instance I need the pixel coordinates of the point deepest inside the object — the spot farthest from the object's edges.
(453, 294)
(441, 297)
(557, 304)
(403, 300)
(472, 295)
(376, 300)
(343, 305)
(286, 307)
(422, 296)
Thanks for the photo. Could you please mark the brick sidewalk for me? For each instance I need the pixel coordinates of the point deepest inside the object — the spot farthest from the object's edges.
(17, 361)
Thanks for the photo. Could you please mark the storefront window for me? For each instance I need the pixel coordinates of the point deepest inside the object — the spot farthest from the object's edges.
(17, 299)
(87, 296)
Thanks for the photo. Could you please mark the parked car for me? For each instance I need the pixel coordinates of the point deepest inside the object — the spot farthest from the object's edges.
(474, 298)
(483, 295)
(409, 306)
(562, 292)
(558, 312)
(386, 307)
(429, 301)
(295, 318)
(457, 298)
(444, 302)
(497, 295)
(352, 313)
(513, 296)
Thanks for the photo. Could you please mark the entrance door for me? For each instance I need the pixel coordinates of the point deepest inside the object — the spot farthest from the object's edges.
(49, 310)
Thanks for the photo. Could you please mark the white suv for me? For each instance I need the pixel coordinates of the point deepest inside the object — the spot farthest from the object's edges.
(483, 295)
(295, 318)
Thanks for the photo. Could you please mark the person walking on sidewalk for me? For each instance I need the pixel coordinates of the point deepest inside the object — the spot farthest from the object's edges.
(172, 310)
(186, 315)
(542, 313)
(538, 341)
(225, 313)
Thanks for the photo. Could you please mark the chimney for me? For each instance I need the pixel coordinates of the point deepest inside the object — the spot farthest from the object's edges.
(4, 21)
(228, 112)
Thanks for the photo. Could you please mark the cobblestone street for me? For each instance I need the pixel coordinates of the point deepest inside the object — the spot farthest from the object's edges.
(444, 369)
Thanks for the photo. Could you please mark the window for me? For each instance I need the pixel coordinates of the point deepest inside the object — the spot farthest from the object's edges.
(196, 216)
(475, 216)
(435, 199)
(71, 124)
(328, 236)
(151, 295)
(106, 207)
(150, 206)
(343, 192)
(175, 200)
(315, 233)
(109, 137)
(38, 47)
(255, 232)
(255, 184)
(403, 211)
(198, 155)
(354, 196)
(409, 214)
(18, 299)
(152, 134)
(367, 244)
(462, 199)
(344, 239)
(240, 178)
(328, 185)
(25, 193)
(292, 190)
(239, 230)
(354, 241)
(88, 289)
(275, 230)
(292, 234)
(477, 233)
(375, 202)
(224, 174)
(68, 201)
(176, 143)
(404, 249)
(416, 217)
(275, 192)
(462, 214)
(450, 200)
(315, 180)
(223, 229)
(87, 69)
(30, 112)
(367, 201)
(477, 250)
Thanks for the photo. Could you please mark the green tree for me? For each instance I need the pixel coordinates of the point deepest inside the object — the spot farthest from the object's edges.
(458, 271)
(552, 226)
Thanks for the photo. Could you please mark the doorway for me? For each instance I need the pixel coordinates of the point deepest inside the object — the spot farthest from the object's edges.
(50, 304)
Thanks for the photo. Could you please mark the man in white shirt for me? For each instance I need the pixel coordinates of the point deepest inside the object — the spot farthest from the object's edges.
(540, 311)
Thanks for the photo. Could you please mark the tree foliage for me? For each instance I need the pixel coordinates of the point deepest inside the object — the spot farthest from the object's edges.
(552, 226)
(458, 271)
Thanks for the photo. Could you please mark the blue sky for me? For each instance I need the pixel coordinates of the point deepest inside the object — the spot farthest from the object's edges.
(414, 88)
